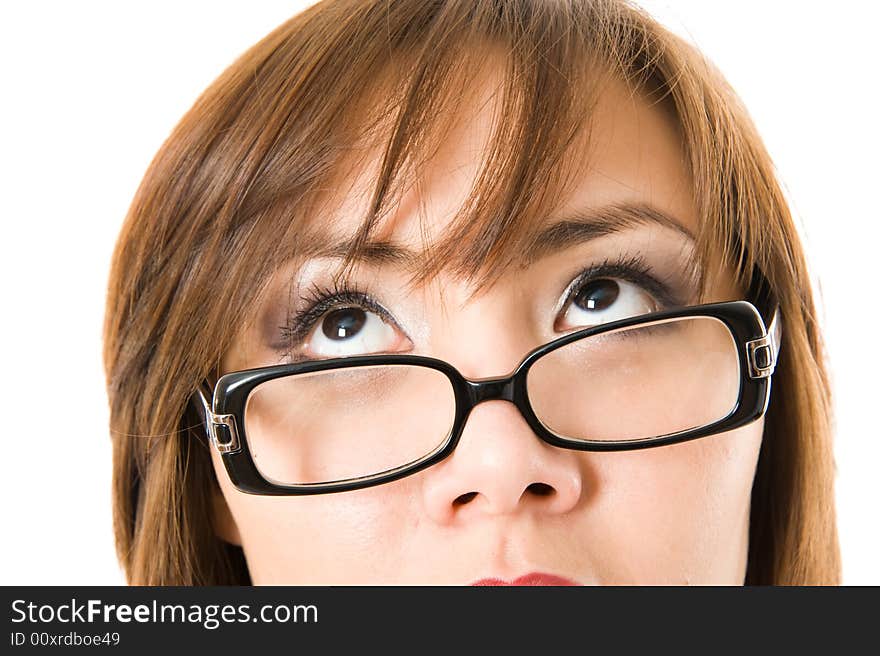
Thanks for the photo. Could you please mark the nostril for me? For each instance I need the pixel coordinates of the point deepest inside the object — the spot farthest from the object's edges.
(464, 498)
(540, 489)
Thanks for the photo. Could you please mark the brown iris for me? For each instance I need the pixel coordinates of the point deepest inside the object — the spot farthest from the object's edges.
(343, 322)
(597, 295)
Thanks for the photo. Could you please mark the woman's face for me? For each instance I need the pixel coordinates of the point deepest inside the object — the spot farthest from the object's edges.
(506, 504)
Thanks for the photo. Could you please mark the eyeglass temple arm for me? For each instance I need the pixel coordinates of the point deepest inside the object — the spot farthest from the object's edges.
(774, 331)
(220, 429)
(201, 401)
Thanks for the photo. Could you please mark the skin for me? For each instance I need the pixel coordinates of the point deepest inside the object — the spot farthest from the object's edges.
(671, 515)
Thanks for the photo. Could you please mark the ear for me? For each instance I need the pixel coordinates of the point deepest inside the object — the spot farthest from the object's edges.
(225, 526)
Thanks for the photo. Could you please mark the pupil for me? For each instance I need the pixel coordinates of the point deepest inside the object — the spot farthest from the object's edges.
(343, 323)
(597, 295)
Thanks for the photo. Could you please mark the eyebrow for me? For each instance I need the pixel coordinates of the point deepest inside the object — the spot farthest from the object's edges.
(577, 228)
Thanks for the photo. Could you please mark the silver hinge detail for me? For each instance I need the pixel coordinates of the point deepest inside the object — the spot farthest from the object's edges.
(763, 352)
(761, 356)
(224, 433)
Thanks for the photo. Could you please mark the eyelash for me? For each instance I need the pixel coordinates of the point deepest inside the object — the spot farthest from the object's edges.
(320, 299)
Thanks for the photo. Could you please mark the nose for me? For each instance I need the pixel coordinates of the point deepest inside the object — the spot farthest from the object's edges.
(500, 467)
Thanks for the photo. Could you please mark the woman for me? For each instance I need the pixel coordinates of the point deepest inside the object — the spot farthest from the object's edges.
(430, 236)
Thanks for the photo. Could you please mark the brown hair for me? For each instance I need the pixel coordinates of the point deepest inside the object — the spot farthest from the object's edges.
(234, 191)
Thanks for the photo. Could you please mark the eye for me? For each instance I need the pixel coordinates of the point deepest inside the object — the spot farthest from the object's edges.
(350, 330)
(601, 301)
(339, 322)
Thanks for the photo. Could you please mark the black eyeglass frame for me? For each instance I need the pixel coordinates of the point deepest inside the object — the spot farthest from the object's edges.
(757, 349)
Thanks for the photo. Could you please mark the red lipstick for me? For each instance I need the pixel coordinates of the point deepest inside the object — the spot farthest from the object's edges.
(535, 578)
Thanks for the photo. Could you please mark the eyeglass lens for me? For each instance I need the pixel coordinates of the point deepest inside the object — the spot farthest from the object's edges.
(628, 384)
(638, 383)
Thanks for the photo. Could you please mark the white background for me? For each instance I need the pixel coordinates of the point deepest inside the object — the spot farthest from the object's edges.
(90, 91)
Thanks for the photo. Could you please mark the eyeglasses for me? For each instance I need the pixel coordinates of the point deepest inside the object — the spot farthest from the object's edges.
(353, 422)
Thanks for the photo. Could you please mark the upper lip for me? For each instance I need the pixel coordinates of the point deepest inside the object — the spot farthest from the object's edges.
(532, 578)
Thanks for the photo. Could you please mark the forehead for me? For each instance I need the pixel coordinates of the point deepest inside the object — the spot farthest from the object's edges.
(632, 156)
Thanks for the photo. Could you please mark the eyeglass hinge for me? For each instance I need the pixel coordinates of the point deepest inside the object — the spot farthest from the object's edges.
(224, 434)
(761, 356)
(764, 351)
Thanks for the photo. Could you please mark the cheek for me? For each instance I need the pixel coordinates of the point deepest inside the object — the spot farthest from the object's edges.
(321, 539)
(680, 513)
(675, 514)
